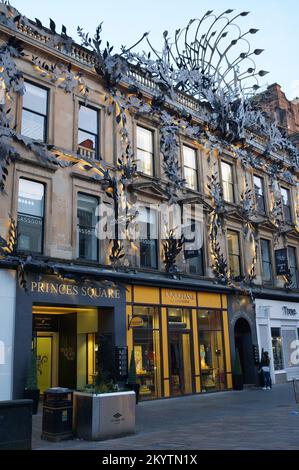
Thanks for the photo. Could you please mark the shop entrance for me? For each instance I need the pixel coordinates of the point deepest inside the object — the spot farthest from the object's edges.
(180, 368)
(243, 343)
(72, 345)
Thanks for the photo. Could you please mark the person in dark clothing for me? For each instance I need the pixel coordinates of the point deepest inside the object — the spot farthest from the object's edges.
(265, 366)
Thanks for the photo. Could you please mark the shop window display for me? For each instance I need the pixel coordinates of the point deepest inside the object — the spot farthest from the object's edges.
(277, 348)
(211, 350)
(146, 343)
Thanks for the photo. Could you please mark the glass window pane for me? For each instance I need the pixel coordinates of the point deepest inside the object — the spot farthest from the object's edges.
(86, 140)
(191, 178)
(146, 344)
(30, 233)
(87, 241)
(88, 119)
(285, 196)
(144, 139)
(226, 170)
(35, 98)
(145, 162)
(189, 157)
(233, 242)
(148, 253)
(289, 344)
(258, 185)
(277, 348)
(33, 125)
(31, 198)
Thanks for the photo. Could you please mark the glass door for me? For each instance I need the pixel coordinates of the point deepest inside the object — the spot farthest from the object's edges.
(180, 368)
(44, 362)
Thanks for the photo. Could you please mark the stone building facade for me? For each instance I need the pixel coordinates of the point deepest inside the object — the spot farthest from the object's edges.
(86, 303)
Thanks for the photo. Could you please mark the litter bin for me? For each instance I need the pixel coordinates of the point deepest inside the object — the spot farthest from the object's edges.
(57, 414)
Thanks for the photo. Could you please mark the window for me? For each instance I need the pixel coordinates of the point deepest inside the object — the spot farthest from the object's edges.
(190, 167)
(259, 193)
(34, 113)
(289, 346)
(234, 253)
(194, 257)
(88, 127)
(145, 151)
(87, 241)
(148, 238)
(30, 216)
(146, 344)
(266, 261)
(227, 182)
(292, 255)
(211, 350)
(286, 205)
(277, 348)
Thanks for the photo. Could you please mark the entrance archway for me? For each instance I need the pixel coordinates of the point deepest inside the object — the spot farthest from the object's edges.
(243, 342)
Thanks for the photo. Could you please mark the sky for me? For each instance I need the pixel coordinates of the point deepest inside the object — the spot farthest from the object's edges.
(124, 22)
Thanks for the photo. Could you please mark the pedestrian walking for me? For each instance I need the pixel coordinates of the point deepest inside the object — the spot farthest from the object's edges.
(265, 367)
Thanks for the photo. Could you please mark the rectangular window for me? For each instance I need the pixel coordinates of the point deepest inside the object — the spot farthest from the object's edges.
(277, 348)
(87, 241)
(145, 151)
(211, 350)
(234, 253)
(148, 238)
(292, 255)
(227, 182)
(259, 194)
(190, 168)
(146, 345)
(88, 132)
(194, 257)
(30, 216)
(266, 261)
(286, 205)
(34, 113)
(289, 346)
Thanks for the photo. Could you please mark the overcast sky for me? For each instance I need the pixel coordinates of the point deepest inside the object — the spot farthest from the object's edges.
(126, 20)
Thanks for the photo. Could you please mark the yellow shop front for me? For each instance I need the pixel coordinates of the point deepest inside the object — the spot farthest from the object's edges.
(180, 341)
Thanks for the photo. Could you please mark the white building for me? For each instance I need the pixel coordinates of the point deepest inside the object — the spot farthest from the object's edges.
(278, 333)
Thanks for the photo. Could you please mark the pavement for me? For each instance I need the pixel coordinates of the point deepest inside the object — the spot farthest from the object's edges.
(252, 419)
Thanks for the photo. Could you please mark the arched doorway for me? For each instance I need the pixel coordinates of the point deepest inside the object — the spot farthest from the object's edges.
(243, 342)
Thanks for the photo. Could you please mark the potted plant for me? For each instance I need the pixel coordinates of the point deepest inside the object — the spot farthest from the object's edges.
(102, 411)
(31, 390)
(237, 372)
(132, 378)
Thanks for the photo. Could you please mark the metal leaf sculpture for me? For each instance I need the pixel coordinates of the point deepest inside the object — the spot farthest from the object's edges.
(172, 247)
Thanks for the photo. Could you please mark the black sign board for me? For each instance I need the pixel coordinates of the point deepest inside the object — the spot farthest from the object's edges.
(121, 357)
(256, 353)
(281, 261)
(188, 254)
(45, 322)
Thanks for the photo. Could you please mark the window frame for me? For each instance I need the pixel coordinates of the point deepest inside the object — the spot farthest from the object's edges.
(268, 282)
(239, 255)
(152, 131)
(196, 169)
(97, 155)
(262, 179)
(295, 251)
(289, 206)
(46, 116)
(231, 165)
(156, 267)
(83, 193)
(43, 218)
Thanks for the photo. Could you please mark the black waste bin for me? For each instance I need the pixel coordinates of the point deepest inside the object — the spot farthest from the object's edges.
(57, 414)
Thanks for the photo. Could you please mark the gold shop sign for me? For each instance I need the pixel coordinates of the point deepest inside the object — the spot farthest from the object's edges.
(57, 289)
(178, 297)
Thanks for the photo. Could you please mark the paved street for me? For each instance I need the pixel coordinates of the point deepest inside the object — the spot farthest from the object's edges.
(251, 419)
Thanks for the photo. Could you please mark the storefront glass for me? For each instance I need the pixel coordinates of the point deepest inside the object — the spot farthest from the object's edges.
(180, 372)
(277, 348)
(211, 350)
(146, 343)
(289, 341)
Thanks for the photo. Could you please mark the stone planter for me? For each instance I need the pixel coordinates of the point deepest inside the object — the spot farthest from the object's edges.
(104, 416)
(15, 424)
